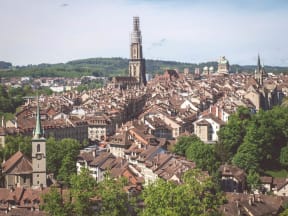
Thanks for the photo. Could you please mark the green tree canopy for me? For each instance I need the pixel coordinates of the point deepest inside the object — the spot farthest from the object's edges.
(284, 156)
(61, 157)
(203, 154)
(54, 204)
(14, 144)
(114, 200)
(232, 134)
(253, 180)
(183, 144)
(83, 189)
(196, 196)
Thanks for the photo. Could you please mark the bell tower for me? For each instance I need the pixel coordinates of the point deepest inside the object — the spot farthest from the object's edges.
(137, 62)
(38, 153)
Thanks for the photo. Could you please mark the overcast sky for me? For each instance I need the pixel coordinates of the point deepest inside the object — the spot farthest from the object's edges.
(53, 31)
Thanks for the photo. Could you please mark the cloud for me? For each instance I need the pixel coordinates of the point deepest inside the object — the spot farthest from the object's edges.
(159, 43)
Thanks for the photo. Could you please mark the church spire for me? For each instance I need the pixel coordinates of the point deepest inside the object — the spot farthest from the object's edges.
(258, 63)
(38, 132)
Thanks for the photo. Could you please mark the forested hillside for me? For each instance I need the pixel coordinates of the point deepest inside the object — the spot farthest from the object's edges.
(114, 66)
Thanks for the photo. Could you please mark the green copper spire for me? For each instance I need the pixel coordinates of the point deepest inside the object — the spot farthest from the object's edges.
(38, 133)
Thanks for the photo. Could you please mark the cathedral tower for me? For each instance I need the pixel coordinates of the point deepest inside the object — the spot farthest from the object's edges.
(259, 72)
(38, 153)
(137, 62)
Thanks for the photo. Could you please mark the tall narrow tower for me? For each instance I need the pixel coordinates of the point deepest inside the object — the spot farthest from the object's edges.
(137, 62)
(38, 153)
(259, 72)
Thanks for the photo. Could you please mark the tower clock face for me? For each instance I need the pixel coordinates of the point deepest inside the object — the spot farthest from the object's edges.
(38, 156)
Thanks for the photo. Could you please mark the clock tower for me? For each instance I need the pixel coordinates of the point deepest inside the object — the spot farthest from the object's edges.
(137, 62)
(38, 153)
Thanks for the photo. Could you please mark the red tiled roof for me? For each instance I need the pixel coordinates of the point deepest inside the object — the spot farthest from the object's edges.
(12, 161)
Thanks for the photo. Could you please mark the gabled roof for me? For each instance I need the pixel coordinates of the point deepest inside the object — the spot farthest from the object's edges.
(231, 170)
(19, 159)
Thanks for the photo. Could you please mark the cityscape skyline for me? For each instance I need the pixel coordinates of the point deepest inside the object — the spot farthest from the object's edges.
(186, 31)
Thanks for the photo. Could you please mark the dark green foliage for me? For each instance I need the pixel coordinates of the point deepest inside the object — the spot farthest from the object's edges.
(284, 157)
(268, 131)
(195, 150)
(254, 142)
(114, 200)
(106, 198)
(11, 98)
(83, 188)
(61, 157)
(183, 144)
(190, 198)
(14, 144)
(232, 134)
(203, 155)
(247, 157)
(54, 204)
(253, 180)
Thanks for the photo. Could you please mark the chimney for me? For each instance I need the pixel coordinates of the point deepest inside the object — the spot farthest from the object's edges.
(94, 153)
(239, 212)
(237, 203)
(250, 201)
(253, 198)
(3, 122)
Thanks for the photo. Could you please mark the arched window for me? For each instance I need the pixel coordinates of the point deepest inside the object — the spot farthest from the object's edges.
(38, 147)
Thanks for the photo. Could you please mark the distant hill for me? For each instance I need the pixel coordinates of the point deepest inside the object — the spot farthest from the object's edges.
(115, 66)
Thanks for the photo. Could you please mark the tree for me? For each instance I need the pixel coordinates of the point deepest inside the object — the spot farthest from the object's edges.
(53, 203)
(61, 157)
(183, 144)
(67, 169)
(284, 156)
(203, 154)
(253, 180)
(247, 157)
(16, 143)
(285, 213)
(114, 200)
(196, 196)
(268, 132)
(232, 134)
(83, 188)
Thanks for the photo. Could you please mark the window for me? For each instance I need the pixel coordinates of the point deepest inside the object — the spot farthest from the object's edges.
(38, 147)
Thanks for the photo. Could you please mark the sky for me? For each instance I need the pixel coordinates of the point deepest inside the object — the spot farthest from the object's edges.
(194, 31)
